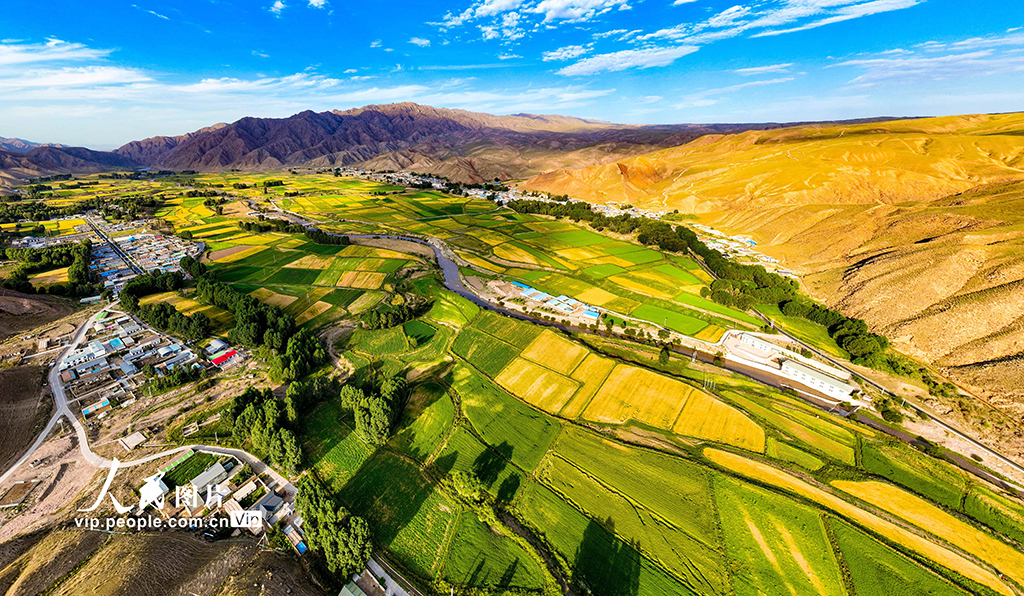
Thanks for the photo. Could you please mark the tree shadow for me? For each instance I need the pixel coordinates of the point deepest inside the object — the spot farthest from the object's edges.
(489, 465)
(506, 578)
(605, 565)
(508, 489)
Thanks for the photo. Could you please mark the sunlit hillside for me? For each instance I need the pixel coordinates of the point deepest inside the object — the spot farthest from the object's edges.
(915, 225)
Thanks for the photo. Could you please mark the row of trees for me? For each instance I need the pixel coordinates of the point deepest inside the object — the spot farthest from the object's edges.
(321, 237)
(342, 538)
(374, 409)
(192, 266)
(386, 316)
(264, 225)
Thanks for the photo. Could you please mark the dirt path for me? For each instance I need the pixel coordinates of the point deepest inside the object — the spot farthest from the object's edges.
(333, 335)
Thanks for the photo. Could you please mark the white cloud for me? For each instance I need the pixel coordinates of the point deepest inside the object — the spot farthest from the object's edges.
(260, 54)
(350, 70)
(567, 53)
(506, 19)
(423, 43)
(156, 14)
(317, 3)
(508, 56)
(54, 50)
(277, 7)
(917, 69)
(626, 59)
(704, 98)
(765, 18)
(847, 13)
(375, 43)
(680, 2)
(651, 99)
(362, 78)
(760, 70)
(87, 76)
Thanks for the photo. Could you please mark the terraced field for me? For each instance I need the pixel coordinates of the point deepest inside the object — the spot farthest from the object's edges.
(633, 477)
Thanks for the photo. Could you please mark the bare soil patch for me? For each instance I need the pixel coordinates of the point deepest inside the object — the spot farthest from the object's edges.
(21, 311)
(226, 252)
(25, 410)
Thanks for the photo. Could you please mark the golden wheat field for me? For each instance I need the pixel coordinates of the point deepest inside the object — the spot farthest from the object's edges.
(537, 385)
(555, 352)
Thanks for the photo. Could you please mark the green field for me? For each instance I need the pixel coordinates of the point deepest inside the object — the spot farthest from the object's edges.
(503, 421)
(465, 453)
(675, 321)
(606, 564)
(424, 422)
(412, 518)
(330, 445)
(776, 545)
(485, 352)
(880, 571)
(479, 556)
(916, 471)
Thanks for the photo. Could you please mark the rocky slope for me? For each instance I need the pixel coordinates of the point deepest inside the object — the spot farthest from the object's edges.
(916, 226)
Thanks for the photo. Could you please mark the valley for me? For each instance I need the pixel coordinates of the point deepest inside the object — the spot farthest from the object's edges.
(591, 443)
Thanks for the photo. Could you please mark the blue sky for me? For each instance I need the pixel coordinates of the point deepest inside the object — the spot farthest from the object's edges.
(103, 73)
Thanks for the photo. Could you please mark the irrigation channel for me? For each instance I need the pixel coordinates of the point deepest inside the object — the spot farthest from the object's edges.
(453, 282)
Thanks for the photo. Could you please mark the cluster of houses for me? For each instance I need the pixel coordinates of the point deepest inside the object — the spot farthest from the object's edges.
(220, 488)
(749, 349)
(565, 305)
(107, 370)
(107, 264)
(155, 252)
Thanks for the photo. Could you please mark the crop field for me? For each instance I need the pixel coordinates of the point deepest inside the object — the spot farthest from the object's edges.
(380, 341)
(503, 420)
(451, 309)
(412, 518)
(693, 563)
(479, 556)
(537, 385)
(780, 547)
(555, 352)
(682, 323)
(785, 452)
(485, 352)
(996, 511)
(184, 472)
(878, 570)
(612, 567)
(926, 476)
(331, 446)
(515, 332)
(801, 433)
(591, 374)
(929, 549)
(49, 278)
(930, 518)
(465, 453)
(705, 417)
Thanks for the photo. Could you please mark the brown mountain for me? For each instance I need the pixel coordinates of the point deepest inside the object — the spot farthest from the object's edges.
(46, 160)
(15, 145)
(917, 226)
(458, 144)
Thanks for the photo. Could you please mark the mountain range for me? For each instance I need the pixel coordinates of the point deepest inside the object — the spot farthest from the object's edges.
(461, 145)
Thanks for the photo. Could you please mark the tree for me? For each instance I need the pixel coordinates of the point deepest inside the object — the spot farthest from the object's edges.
(373, 420)
(468, 486)
(664, 355)
(342, 539)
